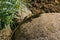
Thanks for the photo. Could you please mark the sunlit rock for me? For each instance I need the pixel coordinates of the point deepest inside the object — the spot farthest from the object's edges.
(44, 27)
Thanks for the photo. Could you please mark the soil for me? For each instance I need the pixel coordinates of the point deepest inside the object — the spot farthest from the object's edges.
(46, 6)
(5, 34)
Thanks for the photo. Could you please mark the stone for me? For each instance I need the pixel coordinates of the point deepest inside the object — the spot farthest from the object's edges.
(44, 27)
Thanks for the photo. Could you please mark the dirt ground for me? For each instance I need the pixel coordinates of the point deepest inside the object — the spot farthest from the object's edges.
(46, 6)
(5, 34)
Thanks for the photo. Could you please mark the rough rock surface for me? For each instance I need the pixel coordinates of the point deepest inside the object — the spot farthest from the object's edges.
(44, 27)
(23, 12)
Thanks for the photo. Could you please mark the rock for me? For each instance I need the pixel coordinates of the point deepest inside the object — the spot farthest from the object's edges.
(23, 12)
(44, 27)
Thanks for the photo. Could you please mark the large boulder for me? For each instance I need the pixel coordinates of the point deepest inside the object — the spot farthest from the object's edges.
(44, 27)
